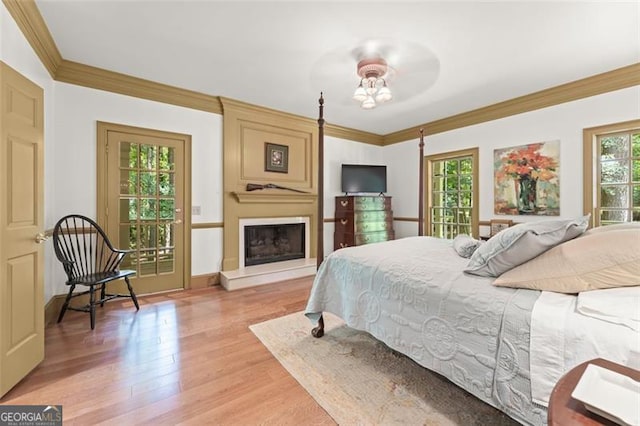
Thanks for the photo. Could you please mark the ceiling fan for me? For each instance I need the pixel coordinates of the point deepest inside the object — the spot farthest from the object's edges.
(406, 69)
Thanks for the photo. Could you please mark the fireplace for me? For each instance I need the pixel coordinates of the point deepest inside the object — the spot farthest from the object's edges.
(271, 240)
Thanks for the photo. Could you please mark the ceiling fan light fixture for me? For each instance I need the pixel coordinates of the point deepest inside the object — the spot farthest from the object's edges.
(384, 94)
(373, 87)
(368, 103)
(360, 94)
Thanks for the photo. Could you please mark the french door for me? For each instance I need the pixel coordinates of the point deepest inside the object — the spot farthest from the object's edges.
(451, 186)
(146, 195)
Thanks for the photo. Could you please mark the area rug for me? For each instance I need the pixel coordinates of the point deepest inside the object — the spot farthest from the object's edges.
(361, 381)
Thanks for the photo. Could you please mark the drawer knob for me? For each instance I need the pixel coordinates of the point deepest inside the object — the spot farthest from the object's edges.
(343, 245)
(344, 221)
(344, 203)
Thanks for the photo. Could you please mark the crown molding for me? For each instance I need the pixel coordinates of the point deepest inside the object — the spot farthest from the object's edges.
(229, 103)
(28, 18)
(617, 79)
(98, 78)
(329, 129)
(353, 134)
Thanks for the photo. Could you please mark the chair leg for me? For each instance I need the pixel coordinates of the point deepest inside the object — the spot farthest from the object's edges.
(102, 295)
(92, 306)
(66, 303)
(133, 295)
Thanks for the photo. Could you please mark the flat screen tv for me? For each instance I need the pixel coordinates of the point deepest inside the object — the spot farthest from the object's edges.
(357, 178)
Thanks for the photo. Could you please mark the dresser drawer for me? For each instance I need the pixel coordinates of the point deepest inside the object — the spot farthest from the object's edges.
(359, 216)
(342, 240)
(362, 203)
(350, 225)
(373, 237)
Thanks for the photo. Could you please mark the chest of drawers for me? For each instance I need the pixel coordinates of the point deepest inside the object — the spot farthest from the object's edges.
(362, 219)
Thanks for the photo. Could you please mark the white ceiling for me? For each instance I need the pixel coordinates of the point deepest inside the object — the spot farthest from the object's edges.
(450, 56)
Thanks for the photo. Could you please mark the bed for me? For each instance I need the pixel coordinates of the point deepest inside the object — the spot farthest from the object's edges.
(414, 295)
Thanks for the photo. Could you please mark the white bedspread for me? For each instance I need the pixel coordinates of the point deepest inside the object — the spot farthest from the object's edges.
(562, 338)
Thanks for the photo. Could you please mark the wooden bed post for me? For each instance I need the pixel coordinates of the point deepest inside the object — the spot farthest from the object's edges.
(319, 330)
(421, 187)
(320, 228)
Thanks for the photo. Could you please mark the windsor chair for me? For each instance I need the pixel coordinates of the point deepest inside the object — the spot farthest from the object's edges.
(89, 259)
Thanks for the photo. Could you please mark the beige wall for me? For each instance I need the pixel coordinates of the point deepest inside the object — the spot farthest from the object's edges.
(246, 130)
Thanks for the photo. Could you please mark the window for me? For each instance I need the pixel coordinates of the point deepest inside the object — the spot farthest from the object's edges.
(612, 173)
(452, 196)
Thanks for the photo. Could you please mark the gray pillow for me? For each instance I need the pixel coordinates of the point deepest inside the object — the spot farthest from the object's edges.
(518, 244)
(465, 245)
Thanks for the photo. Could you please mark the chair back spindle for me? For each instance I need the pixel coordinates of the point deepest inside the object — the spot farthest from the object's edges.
(83, 248)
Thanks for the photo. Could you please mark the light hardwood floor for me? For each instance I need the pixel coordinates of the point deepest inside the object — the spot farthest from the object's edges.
(185, 357)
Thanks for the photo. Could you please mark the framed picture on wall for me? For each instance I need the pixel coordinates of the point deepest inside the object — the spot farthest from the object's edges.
(276, 158)
(498, 225)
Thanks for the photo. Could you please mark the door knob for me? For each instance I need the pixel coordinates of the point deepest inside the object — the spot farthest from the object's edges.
(41, 238)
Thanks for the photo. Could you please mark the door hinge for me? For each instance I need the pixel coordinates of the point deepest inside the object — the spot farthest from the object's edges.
(106, 211)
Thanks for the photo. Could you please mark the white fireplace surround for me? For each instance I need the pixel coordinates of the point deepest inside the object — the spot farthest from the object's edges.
(273, 221)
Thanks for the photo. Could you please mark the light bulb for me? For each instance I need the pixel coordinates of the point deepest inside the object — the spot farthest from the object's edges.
(360, 94)
(384, 94)
(368, 103)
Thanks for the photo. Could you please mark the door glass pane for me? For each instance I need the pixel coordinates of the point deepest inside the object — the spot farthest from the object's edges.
(128, 182)
(166, 159)
(128, 155)
(148, 210)
(148, 157)
(166, 185)
(165, 235)
(613, 215)
(614, 196)
(128, 209)
(635, 141)
(616, 146)
(148, 183)
(636, 170)
(167, 210)
(147, 237)
(619, 177)
(615, 172)
(147, 262)
(466, 166)
(166, 260)
(453, 191)
(128, 237)
(147, 207)
(437, 183)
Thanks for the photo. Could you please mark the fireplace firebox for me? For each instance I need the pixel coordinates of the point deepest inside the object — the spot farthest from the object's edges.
(273, 243)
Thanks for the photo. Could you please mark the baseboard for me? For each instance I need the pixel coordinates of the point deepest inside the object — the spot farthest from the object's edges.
(206, 280)
(52, 309)
(53, 306)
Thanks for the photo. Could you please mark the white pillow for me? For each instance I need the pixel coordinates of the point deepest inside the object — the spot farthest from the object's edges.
(465, 245)
(515, 245)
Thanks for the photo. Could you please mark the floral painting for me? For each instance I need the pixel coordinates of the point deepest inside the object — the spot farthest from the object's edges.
(526, 179)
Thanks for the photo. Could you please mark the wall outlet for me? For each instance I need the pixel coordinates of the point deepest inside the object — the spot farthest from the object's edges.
(195, 210)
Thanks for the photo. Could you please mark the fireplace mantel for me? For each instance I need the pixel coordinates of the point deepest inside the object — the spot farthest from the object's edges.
(263, 196)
